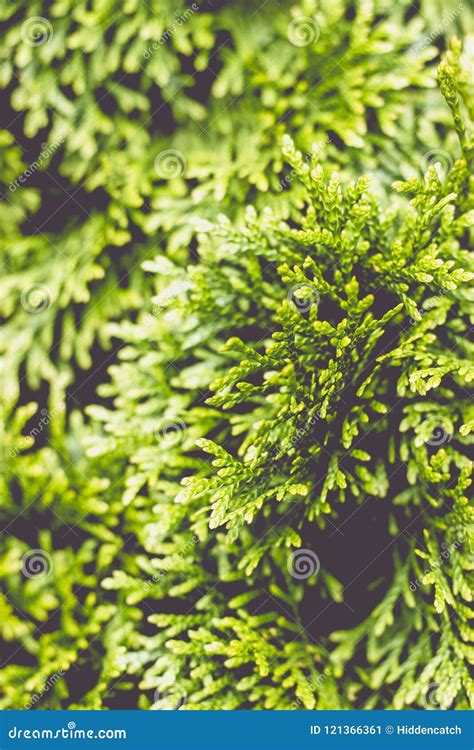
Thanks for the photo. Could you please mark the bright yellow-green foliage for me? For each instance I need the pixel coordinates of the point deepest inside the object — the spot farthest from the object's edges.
(235, 366)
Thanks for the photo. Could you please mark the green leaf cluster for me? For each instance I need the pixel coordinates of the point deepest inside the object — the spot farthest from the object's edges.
(266, 370)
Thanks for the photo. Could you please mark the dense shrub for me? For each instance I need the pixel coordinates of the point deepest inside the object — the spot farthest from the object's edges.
(108, 120)
(265, 502)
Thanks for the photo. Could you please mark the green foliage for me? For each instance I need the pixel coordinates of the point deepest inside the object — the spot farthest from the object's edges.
(277, 365)
(89, 86)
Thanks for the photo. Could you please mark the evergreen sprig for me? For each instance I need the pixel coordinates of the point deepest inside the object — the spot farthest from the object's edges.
(269, 383)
